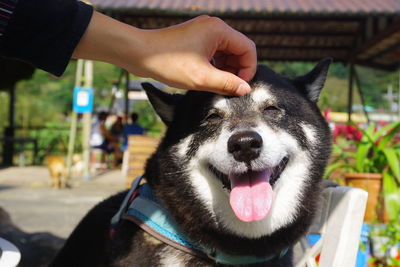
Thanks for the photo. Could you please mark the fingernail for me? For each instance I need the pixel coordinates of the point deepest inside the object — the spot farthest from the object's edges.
(243, 89)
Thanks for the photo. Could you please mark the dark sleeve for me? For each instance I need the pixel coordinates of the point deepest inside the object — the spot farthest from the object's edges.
(6, 11)
(45, 33)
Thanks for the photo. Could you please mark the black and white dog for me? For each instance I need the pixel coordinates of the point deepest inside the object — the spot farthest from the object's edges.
(239, 177)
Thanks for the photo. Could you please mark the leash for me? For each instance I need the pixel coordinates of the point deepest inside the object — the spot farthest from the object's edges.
(142, 207)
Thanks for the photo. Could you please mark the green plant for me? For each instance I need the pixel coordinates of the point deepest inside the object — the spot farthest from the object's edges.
(386, 240)
(148, 118)
(378, 151)
(53, 140)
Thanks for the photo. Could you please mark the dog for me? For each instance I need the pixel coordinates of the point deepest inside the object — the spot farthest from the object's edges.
(58, 171)
(239, 177)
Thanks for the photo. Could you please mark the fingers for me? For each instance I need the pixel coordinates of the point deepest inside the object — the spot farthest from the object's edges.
(242, 53)
(230, 63)
(235, 60)
(223, 82)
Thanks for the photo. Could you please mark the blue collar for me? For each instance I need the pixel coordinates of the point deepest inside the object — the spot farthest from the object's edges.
(142, 207)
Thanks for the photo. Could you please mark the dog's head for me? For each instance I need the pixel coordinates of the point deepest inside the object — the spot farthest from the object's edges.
(252, 163)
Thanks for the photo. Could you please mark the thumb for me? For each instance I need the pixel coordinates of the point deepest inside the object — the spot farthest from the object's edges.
(225, 83)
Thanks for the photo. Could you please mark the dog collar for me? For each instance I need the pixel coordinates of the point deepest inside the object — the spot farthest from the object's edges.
(143, 208)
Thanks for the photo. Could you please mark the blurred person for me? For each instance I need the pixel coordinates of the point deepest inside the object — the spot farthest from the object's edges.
(130, 129)
(47, 33)
(117, 129)
(99, 140)
(102, 139)
(116, 132)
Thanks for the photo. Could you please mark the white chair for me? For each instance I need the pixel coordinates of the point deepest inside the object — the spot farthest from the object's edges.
(9, 254)
(339, 224)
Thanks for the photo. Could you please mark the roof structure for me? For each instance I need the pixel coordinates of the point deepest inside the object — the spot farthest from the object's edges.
(12, 71)
(365, 32)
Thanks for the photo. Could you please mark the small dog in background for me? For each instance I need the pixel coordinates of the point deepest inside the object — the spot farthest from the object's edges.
(58, 171)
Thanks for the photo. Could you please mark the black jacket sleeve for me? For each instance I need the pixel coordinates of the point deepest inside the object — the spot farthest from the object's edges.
(45, 33)
(6, 11)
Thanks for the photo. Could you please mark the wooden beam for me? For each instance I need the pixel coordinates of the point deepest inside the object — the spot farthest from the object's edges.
(185, 14)
(304, 59)
(279, 46)
(308, 34)
(358, 39)
(378, 66)
(379, 37)
(385, 51)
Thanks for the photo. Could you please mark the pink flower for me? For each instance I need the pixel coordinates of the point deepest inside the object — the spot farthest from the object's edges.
(327, 114)
(347, 131)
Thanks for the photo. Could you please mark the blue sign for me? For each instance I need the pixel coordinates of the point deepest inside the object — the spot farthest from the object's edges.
(83, 100)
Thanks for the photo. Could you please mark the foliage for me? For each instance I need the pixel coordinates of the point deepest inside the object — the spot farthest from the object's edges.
(53, 140)
(376, 152)
(148, 118)
(334, 95)
(374, 84)
(390, 234)
(51, 96)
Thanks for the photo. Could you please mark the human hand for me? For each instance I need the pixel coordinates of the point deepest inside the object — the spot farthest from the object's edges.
(179, 56)
(182, 56)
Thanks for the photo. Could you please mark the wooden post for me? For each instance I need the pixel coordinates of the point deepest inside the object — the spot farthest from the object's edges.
(398, 98)
(9, 133)
(87, 123)
(350, 93)
(116, 86)
(127, 98)
(358, 83)
(74, 121)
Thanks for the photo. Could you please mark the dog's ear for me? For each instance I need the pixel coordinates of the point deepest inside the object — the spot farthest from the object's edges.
(313, 82)
(163, 103)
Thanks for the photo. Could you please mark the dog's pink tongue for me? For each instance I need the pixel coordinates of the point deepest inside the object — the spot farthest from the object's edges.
(251, 195)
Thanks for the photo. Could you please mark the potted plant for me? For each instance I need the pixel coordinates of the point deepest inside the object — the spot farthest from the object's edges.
(372, 161)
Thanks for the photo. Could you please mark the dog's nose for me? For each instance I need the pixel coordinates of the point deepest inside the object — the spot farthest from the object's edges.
(245, 146)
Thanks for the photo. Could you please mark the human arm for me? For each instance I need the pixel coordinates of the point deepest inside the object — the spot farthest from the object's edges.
(178, 56)
(46, 33)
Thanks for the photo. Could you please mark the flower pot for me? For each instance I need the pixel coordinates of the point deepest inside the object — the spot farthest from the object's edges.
(372, 183)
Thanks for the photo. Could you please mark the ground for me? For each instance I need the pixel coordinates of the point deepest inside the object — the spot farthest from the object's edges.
(35, 207)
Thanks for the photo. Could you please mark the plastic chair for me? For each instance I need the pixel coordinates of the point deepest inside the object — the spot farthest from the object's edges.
(9, 254)
(338, 223)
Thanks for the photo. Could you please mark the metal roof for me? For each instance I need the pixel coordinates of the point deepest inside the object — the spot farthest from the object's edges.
(363, 31)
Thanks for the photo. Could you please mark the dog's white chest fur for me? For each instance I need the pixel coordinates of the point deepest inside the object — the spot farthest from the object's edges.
(171, 257)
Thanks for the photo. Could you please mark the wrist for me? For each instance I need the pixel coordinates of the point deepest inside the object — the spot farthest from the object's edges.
(132, 49)
(111, 41)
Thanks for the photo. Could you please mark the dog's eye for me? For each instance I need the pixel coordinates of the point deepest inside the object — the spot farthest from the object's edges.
(271, 109)
(214, 116)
